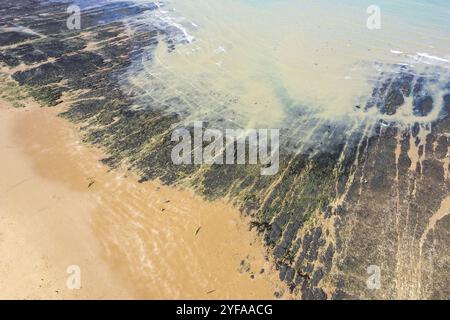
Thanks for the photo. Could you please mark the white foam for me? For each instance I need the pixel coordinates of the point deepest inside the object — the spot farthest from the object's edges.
(166, 18)
(24, 30)
(431, 57)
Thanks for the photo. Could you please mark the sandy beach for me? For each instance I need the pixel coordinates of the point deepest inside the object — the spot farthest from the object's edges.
(60, 207)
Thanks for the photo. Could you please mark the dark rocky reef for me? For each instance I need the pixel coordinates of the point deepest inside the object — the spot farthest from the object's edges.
(326, 217)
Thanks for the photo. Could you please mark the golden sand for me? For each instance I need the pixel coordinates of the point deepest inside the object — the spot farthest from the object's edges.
(59, 206)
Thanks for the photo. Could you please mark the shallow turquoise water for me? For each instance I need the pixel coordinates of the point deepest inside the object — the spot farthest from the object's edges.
(313, 54)
(289, 63)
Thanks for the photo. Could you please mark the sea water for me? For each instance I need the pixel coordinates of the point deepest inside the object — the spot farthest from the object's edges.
(257, 61)
(301, 65)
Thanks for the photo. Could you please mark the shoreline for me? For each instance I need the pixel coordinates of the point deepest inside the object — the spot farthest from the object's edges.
(61, 207)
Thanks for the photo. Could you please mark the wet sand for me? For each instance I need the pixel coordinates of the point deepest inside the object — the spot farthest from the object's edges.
(59, 206)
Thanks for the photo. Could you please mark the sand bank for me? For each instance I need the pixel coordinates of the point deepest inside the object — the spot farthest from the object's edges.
(59, 206)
